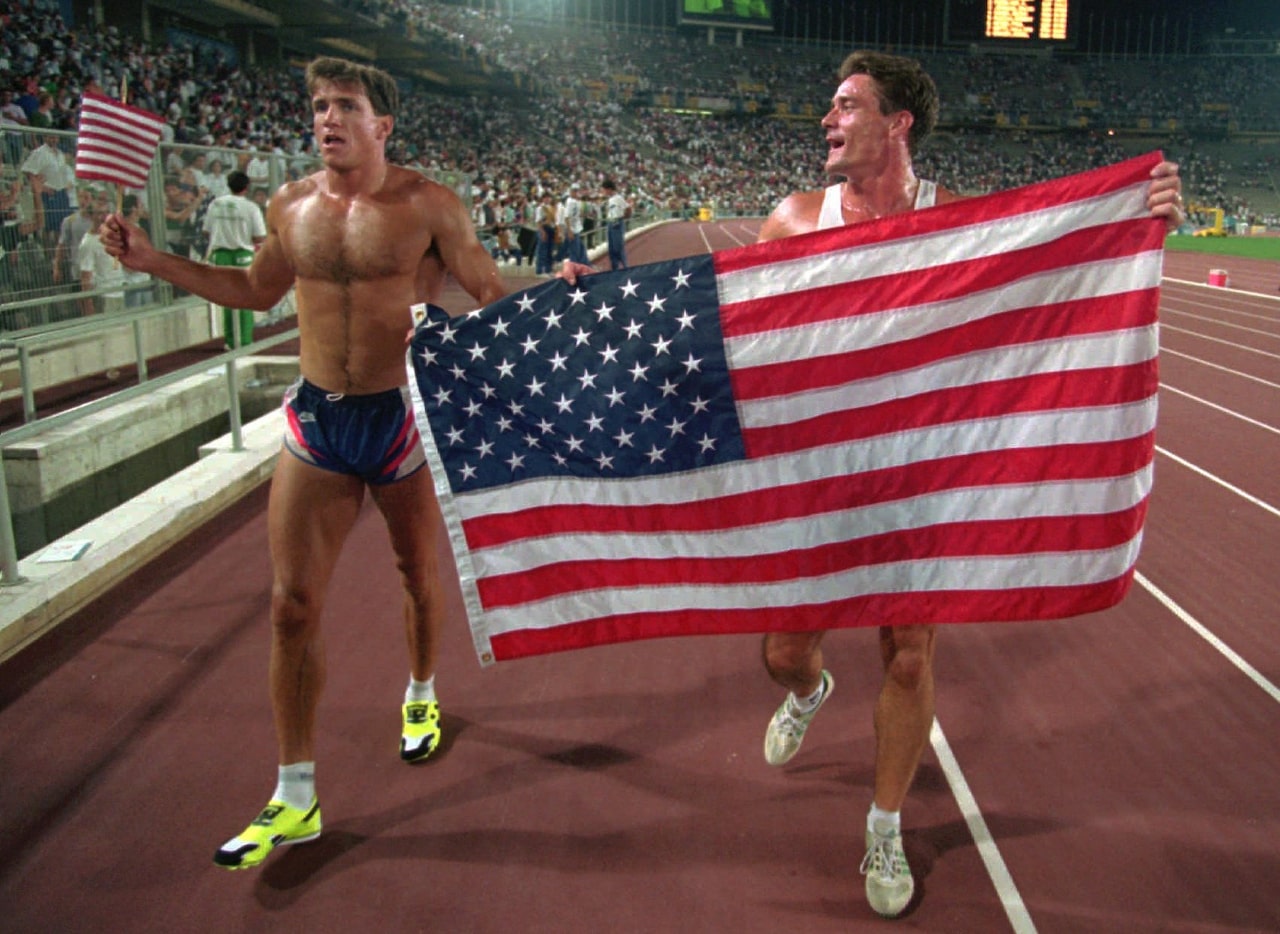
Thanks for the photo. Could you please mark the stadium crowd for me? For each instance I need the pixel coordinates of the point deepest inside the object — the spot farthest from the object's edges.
(595, 103)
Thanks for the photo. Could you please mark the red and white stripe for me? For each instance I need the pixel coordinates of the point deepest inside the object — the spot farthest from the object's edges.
(116, 142)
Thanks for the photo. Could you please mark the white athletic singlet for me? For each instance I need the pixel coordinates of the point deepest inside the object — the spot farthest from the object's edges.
(831, 215)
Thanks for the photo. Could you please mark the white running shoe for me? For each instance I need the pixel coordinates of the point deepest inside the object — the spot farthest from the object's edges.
(786, 729)
(889, 882)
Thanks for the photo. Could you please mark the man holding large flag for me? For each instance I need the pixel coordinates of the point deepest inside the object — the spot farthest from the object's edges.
(959, 409)
(883, 108)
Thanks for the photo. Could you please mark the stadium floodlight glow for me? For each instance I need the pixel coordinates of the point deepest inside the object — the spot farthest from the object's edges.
(351, 48)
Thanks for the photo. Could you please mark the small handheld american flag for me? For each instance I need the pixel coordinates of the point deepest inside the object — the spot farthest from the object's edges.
(116, 141)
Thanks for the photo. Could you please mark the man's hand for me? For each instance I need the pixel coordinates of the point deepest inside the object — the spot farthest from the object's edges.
(1164, 199)
(570, 271)
(126, 242)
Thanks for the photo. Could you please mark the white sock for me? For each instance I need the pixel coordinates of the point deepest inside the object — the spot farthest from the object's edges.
(877, 818)
(296, 785)
(420, 690)
(805, 704)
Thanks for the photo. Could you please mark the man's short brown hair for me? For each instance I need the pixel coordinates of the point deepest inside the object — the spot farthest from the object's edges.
(904, 85)
(378, 86)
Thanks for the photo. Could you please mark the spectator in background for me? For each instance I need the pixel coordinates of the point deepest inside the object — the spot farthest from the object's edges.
(52, 178)
(42, 117)
(66, 255)
(97, 269)
(74, 227)
(11, 111)
(544, 218)
(17, 219)
(216, 179)
(258, 168)
(616, 212)
(179, 210)
(236, 229)
(571, 227)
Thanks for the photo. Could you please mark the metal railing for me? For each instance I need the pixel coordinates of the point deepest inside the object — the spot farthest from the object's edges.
(9, 573)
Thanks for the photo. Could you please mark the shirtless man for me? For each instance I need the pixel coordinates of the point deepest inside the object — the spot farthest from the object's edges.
(361, 241)
(882, 110)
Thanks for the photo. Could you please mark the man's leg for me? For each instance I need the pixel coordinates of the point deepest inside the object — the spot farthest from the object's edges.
(412, 515)
(309, 514)
(903, 718)
(904, 710)
(794, 660)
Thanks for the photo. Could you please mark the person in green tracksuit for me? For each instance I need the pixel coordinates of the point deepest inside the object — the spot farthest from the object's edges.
(235, 228)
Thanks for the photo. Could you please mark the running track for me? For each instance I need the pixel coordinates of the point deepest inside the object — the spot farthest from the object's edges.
(1111, 773)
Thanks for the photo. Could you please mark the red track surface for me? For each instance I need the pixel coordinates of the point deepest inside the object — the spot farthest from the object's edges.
(1124, 767)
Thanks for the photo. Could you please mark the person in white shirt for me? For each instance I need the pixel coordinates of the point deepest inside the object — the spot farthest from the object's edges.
(616, 212)
(66, 255)
(97, 269)
(52, 179)
(259, 171)
(571, 218)
(235, 228)
(215, 181)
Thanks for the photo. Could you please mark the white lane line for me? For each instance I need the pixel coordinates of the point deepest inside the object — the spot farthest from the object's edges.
(1196, 626)
(1165, 387)
(702, 232)
(1225, 324)
(1169, 304)
(732, 236)
(1207, 288)
(1010, 898)
(1218, 366)
(1219, 340)
(1222, 483)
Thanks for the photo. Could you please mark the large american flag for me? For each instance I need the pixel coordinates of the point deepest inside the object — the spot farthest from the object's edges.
(943, 416)
(115, 142)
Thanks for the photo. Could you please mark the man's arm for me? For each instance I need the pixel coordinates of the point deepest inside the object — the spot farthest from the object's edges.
(789, 217)
(259, 286)
(463, 254)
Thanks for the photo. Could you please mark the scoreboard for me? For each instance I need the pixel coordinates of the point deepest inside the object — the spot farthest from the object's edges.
(1041, 22)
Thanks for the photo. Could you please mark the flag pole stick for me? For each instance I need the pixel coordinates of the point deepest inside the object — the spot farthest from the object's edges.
(124, 99)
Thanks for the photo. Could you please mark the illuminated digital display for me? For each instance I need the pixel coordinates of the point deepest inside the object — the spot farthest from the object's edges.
(1010, 19)
(1053, 19)
(1017, 20)
(1026, 19)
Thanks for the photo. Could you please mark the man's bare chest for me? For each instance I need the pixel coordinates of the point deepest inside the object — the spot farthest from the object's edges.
(348, 244)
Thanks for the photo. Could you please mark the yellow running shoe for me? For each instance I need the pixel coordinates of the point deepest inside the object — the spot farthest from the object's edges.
(277, 825)
(421, 732)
